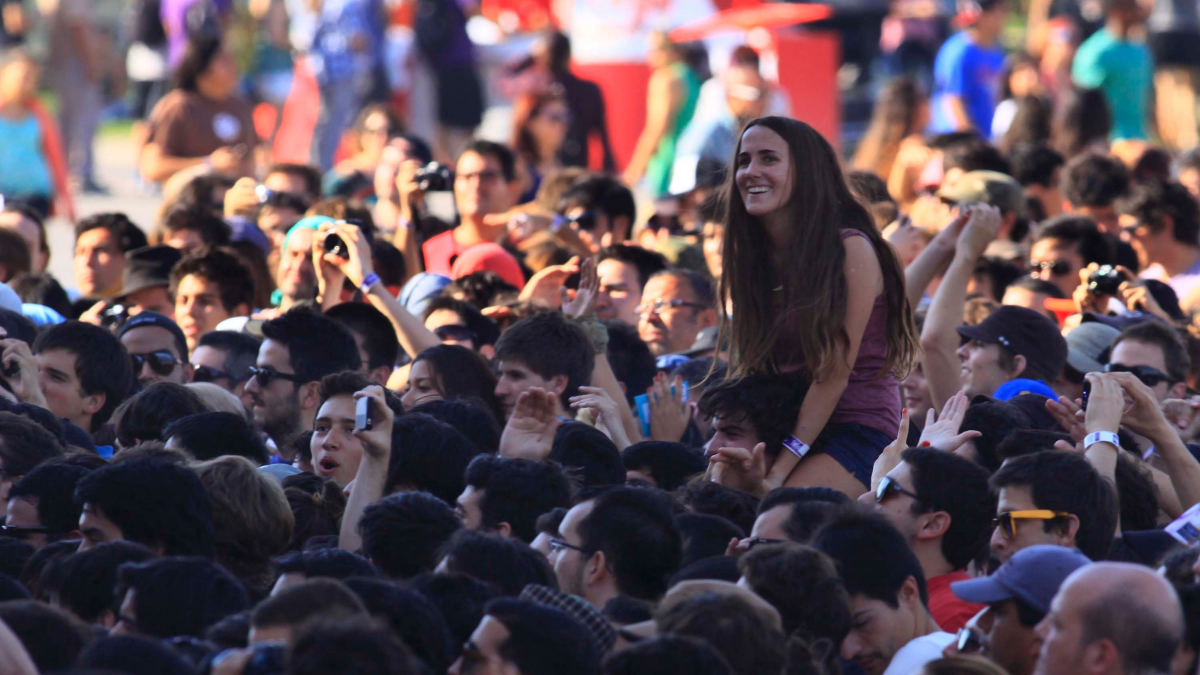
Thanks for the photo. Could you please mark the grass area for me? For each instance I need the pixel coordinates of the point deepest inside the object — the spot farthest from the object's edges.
(118, 128)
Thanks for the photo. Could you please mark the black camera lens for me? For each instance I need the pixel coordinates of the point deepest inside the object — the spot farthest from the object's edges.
(335, 245)
(1105, 281)
(434, 177)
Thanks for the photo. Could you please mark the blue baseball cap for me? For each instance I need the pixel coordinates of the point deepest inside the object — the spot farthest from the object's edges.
(1032, 575)
(1023, 385)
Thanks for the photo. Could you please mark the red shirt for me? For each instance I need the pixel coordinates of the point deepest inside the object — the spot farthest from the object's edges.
(947, 609)
(440, 252)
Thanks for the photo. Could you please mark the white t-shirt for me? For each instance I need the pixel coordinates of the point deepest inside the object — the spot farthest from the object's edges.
(913, 656)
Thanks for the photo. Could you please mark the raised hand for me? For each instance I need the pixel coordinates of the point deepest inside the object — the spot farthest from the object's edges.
(583, 304)
(543, 287)
(376, 441)
(740, 468)
(530, 431)
(605, 409)
(890, 457)
(669, 411)
(943, 433)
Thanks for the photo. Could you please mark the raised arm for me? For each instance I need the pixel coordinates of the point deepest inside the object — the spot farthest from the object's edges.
(932, 260)
(371, 478)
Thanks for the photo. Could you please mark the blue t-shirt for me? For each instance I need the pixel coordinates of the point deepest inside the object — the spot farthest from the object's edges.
(23, 166)
(970, 72)
(1124, 71)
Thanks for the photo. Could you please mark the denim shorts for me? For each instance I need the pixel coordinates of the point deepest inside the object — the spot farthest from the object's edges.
(854, 446)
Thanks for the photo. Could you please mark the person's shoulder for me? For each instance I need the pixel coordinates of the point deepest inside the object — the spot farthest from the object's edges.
(913, 656)
(172, 103)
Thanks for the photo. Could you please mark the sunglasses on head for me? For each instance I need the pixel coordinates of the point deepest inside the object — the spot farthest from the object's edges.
(1057, 268)
(264, 375)
(210, 374)
(161, 361)
(454, 333)
(1149, 376)
(1007, 521)
(888, 487)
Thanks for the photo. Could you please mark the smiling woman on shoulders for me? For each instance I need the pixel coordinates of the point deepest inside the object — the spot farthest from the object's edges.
(816, 292)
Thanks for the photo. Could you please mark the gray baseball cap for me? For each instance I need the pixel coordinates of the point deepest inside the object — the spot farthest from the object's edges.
(1032, 575)
(1087, 344)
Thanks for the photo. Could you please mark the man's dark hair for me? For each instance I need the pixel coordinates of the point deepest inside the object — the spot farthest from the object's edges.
(241, 349)
(857, 541)
(50, 636)
(133, 654)
(670, 464)
(1137, 495)
(233, 279)
(180, 596)
(630, 358)
(705, 536)
(589, 456)
(1154, 201)
(317, 345)
(505, 562)
(702, 496)
(428, 456)
(486, 331)
(412, 617)
(42, 289)
(600, 193)
(974, 154)
(667, 655)
(145, 416)
(355, 645)
(155, 503)
(24, 444)
(311, 176)
(1026, 442)
(330, 563)
(517, 491)
(995, 420)
(101, 363)
(702, 287)
(1041, 286)
(15, 256)
(770, 403)
(51, 487)
(310, 599)
(403, 533)
(811, 509)
(1093, 246)
(484, 288)
(85, 582)
(460, 599)
(469, 416)
(732, 626)
(1093, 179)
(543, 640)
(378, 336)
(636, 531)
(1035, 164)
(648, 263)
(1164, 337)
(198, 218)
(550, 345)
(998, 272)
(1066, 482)
(210, 435)
(317, 505)
(497, 151)
(348, 383)
(958, 486)
(127, 235)
(803, 584)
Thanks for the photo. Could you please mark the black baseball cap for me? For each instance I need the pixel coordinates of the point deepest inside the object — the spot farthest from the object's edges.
(1023, 332)
(148, 267)
(156, 319)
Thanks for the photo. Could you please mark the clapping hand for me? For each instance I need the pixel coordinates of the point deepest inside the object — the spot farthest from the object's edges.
(530, 430)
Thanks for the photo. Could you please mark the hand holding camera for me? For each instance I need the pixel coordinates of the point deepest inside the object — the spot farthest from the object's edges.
(344, 247)
(414, 180)
(19, 368)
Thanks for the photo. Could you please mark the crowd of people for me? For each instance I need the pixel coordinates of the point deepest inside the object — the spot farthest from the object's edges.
(450, 405)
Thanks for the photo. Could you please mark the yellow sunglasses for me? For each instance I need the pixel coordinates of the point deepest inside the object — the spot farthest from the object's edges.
(1007, 521)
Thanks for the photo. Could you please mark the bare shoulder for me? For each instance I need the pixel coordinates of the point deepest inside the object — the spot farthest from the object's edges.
(862, 264)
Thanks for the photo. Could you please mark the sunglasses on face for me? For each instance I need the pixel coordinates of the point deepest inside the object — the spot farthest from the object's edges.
(161, 361)
(760, 541)
(1149, 376)
(454, 333)
(1007, 521)
(210, 374)
(18, 532)
(661, 306)
(263, 376)
(1057, 268)
(888, 487)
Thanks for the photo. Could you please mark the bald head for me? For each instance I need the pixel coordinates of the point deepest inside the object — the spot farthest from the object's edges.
(1130, 612)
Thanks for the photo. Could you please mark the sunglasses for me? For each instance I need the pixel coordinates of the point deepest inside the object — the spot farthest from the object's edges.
(1057, 268)
(1149, 376)
(210, 374)
(161, 361)
(263, 376)
(18, 532)
(761, 541)
(888, 487)
(585, 221)
(1007, 521)
(454, 333)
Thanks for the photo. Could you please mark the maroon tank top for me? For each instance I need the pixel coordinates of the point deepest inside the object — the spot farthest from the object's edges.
(872, 396)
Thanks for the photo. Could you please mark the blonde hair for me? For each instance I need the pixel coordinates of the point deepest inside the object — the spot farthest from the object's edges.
(218, 399)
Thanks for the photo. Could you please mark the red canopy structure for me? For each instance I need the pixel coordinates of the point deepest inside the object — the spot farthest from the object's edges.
(746, 17)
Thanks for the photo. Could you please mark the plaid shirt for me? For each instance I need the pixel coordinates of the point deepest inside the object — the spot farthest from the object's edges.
(338, 24)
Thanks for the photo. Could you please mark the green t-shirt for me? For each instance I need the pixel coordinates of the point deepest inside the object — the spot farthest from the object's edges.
(1124, 71)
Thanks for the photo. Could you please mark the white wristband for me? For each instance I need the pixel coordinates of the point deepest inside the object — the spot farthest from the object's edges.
(1101, 437)
(798, 447)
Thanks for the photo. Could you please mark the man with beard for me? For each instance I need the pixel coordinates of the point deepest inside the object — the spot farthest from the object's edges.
(298, 349)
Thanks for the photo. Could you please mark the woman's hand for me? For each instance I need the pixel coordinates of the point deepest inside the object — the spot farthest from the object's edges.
(890, 457)
(1069, 415)
(983, 223)
(605, 409)
(943, 434)
(669, 411)
(583, 305)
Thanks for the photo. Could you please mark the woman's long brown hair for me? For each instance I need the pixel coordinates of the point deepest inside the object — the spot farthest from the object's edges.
(813, 280)
(894, 119)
